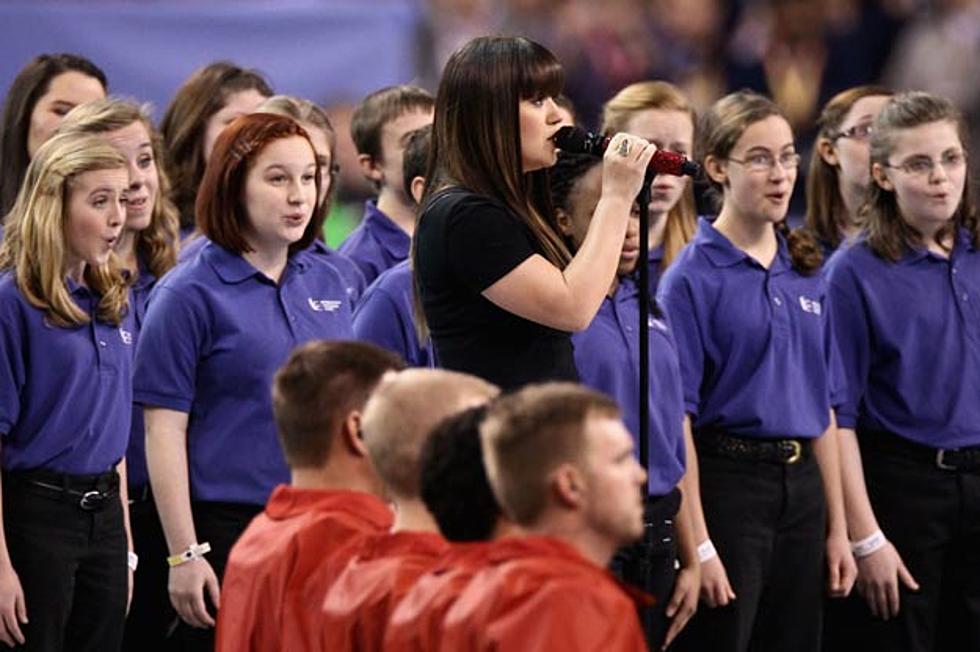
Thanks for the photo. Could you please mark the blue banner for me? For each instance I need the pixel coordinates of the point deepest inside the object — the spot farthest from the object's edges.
(329, 51)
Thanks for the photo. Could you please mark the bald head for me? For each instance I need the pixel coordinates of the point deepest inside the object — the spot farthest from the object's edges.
(404, 409)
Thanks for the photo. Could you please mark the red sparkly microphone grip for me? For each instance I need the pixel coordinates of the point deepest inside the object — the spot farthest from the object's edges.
(578, 141)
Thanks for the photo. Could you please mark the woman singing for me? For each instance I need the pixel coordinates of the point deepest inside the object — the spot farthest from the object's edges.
(498, 288)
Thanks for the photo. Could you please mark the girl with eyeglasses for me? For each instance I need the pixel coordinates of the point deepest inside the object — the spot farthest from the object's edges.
(840, 171)
(746, 309)
(904, 301)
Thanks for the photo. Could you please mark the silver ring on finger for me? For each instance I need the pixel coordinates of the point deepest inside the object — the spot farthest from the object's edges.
(624, 147)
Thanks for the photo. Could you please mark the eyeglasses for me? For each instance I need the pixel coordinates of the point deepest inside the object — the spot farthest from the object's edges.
(860, 131)
(764, 161)
(921, 166)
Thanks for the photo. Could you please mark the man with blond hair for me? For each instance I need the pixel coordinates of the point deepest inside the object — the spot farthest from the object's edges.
(561, 464)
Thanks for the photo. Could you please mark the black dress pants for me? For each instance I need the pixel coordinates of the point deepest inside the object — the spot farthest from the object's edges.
(768, 523)
(72, 567)
(151, 617)
(650, 564)
(932, 517)
(220, 524)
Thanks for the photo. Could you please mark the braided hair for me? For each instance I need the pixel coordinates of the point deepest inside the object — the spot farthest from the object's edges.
(563, 177)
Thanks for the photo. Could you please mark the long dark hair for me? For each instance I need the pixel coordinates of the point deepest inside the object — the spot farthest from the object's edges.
(30, 85)
(200, 97)
(722, 126)
(824, 206)
(890, 236)
(476, 140)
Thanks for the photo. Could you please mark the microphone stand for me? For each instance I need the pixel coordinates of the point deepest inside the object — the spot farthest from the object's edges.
(644, 326)
(644, 547)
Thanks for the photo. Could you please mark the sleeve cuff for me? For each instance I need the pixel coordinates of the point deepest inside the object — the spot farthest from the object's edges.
(846, 420)
(691, 409)
(154, 399)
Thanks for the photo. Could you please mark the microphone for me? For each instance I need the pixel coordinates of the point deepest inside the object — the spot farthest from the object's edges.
(578, 141)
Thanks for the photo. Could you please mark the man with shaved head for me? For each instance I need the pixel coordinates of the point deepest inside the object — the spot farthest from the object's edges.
(397, 420)
(561, 464)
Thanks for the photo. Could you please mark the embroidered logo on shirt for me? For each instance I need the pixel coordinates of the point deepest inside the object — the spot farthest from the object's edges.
(810, 306)
(659, 324)
(323, 305)
(126, 336)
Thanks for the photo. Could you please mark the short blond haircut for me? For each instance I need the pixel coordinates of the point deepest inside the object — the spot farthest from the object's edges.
(34, 243)
(402, 412)
(530, 433)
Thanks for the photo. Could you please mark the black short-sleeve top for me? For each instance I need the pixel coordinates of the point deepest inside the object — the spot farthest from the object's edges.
(465, 243)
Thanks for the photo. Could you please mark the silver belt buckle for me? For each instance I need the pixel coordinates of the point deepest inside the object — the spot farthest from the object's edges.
(92, 501)
(941, 460)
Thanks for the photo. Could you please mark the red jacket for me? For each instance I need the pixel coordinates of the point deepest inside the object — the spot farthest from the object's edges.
(359, 604)
(539, 593)
(298, 531)
(416, 622)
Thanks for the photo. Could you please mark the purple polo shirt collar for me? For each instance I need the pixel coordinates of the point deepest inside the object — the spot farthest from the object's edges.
(391, 237)
(962, 242)
(233, 269)
(721, 253)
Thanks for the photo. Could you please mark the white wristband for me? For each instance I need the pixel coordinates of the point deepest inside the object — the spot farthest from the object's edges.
(869, 545)
(706, 551)
(194, 551)
(133, 561)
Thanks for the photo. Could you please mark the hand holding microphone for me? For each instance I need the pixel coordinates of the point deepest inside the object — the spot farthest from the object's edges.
(578, 141)
(624, 165)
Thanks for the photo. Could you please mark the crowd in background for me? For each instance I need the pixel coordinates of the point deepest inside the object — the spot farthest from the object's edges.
(798, 52)
(474, 251)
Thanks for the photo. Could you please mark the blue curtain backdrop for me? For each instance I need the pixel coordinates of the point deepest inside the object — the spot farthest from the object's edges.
(327, 50)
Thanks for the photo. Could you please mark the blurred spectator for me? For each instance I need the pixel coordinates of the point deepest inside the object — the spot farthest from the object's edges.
(802, 53)
(940, 53)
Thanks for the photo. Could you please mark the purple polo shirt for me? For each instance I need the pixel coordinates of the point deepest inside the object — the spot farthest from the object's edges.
(754, 343)
(655, 259)
(190, 248)
(376, 244)
(136, 471)
(909, 337)
(353, 279)
(607, 355)
(385, 317)
(65, 393)
(216, 331)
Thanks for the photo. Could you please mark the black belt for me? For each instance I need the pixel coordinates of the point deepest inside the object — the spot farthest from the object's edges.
(662, 508)
(777, 451)
(90, 492)
(947, 459)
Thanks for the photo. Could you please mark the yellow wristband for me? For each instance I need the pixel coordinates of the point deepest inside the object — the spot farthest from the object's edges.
(194, 551)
